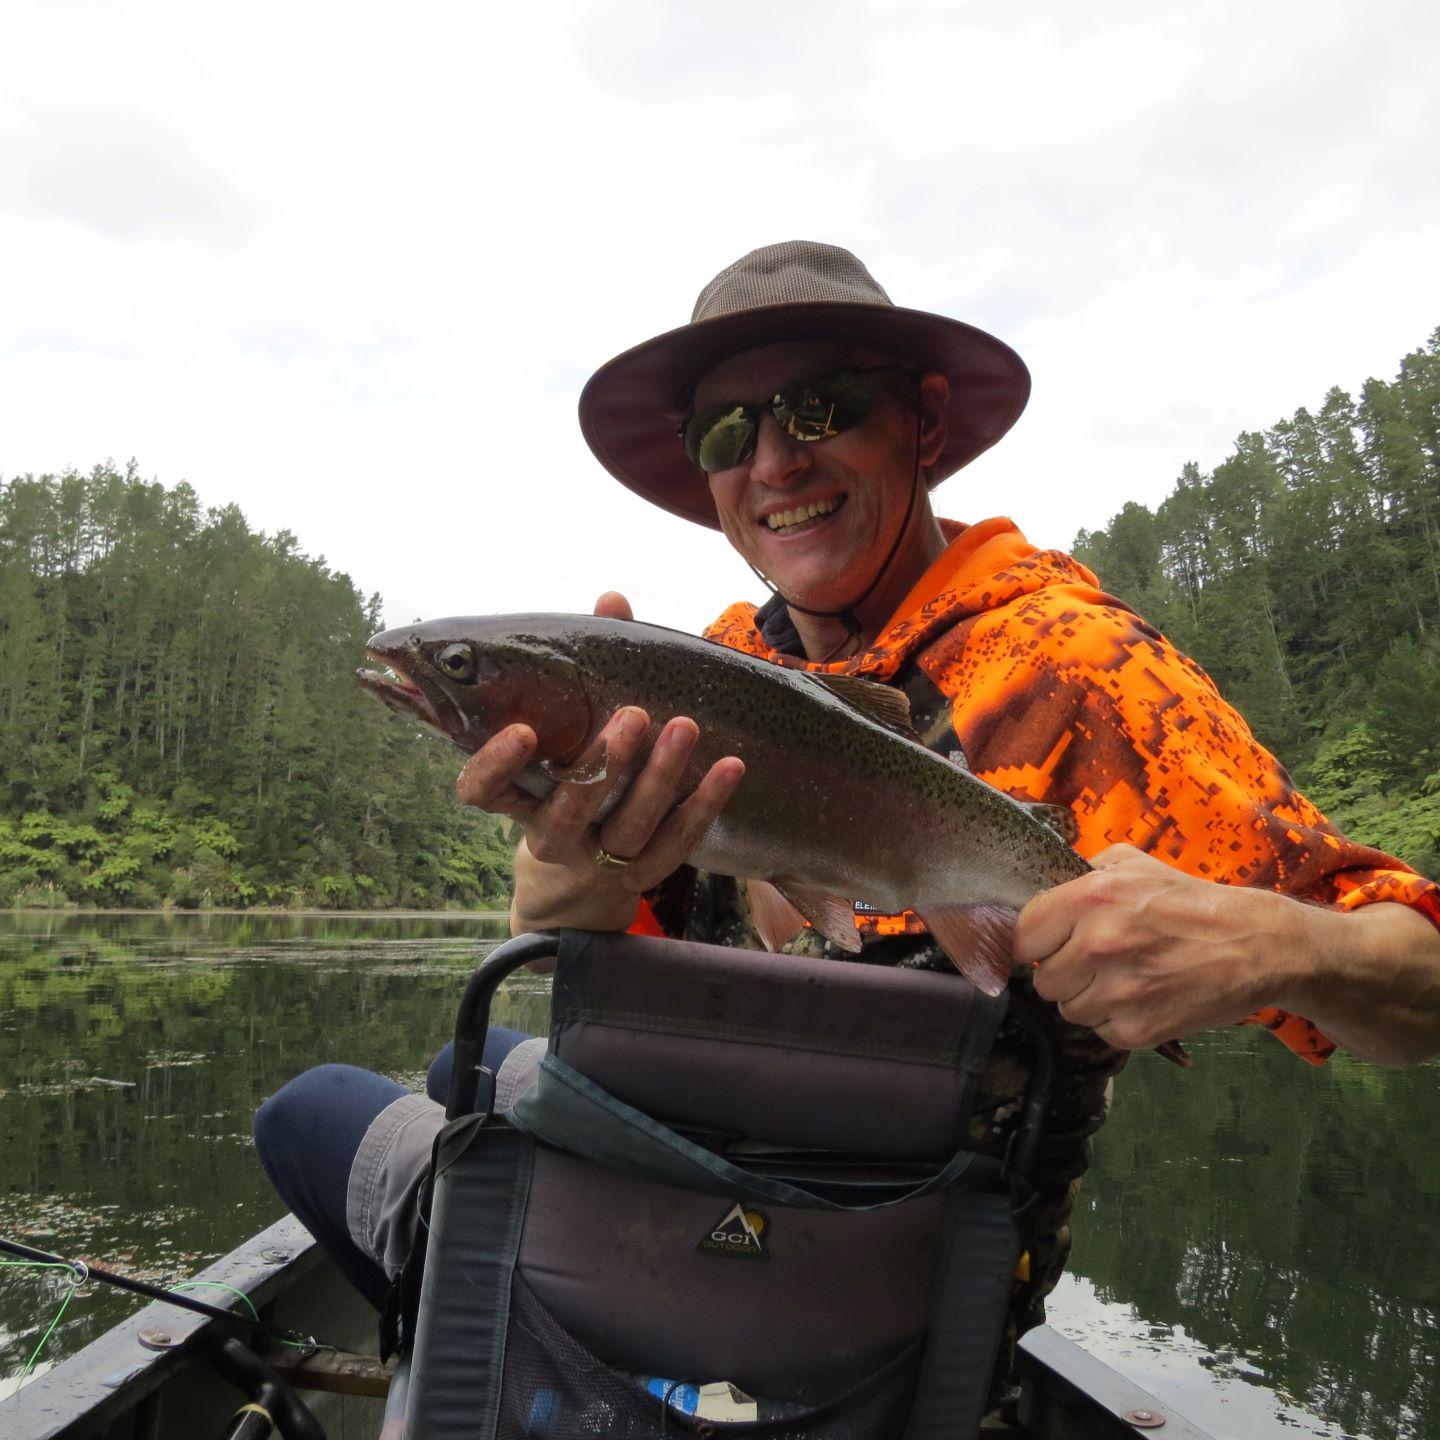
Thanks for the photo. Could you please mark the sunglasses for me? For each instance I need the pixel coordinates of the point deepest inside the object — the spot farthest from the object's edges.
(819, 408)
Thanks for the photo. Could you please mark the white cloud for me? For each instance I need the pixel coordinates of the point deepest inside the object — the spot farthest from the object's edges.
(349, 266)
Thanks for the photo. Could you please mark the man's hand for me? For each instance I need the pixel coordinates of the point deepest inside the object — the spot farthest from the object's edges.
(1142, 953)
(558, 879)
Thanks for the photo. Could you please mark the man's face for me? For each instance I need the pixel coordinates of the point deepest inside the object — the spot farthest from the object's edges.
(860, 478)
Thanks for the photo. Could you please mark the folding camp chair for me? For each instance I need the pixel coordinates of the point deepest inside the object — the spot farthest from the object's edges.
(732, 1196)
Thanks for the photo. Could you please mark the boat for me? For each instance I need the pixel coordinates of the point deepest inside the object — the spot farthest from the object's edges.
(152, 1377)
(158, 1375)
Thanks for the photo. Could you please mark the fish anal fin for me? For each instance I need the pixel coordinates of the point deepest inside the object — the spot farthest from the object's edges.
(883, 704)
(1060, 818)
(979, 939)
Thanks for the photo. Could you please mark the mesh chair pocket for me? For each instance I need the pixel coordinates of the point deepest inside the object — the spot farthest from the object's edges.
(554, 1388)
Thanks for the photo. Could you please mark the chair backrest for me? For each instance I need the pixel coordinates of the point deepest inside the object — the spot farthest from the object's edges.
(780, 1050)
(730, 1166)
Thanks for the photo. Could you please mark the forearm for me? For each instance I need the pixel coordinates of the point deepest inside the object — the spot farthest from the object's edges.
(554, 896)
(1369, 978)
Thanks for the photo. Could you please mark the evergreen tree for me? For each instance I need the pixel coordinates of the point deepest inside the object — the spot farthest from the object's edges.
(179, 721)
(1304, 573)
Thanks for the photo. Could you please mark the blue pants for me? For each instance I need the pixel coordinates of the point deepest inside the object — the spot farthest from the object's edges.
(307, 1134)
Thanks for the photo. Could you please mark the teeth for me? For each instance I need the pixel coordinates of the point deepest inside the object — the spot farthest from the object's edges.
(786, 518)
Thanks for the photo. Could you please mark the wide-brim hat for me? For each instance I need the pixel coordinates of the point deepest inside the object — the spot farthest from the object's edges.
(633, 406)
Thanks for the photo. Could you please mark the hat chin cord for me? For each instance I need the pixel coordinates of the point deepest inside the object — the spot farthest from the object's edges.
(846, 614)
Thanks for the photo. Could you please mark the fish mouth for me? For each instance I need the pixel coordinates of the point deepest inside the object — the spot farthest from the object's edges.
(400, 691)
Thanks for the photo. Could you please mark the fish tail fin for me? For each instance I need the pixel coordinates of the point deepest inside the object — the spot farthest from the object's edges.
(979, 939)
(1174, 1051)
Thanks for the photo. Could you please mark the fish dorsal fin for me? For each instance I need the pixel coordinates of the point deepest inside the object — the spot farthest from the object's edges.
(1060, 818)
(779, 911)
(883, 704)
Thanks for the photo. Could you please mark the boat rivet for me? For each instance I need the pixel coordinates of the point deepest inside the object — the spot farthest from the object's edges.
(273, 1255)
(1144, 1419)
(157, 1339)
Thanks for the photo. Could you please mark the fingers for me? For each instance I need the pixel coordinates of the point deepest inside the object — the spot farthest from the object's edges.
(652, 828)
(1047, 922)
(680, 834)
(556, 832)
(656, 789)
(612, 605)
(1066, 979)
(1050, 920)
(488, 779)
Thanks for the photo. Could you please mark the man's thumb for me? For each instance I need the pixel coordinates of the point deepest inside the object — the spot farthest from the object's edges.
(612, 605)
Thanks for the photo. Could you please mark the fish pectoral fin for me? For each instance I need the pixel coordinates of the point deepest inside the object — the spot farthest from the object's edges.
(979, 939)
(883, 704)
(1060, 818)
(589, 769)
(1174, 1051)
(774, 917)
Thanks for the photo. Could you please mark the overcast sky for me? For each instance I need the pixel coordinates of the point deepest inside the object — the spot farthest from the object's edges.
(348, 266)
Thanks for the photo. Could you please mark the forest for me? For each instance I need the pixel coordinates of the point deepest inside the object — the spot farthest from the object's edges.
(179, 722)
(1303, 572)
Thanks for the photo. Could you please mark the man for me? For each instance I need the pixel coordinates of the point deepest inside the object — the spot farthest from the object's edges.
(1012, 658)
(807, 417)
(1137, 952)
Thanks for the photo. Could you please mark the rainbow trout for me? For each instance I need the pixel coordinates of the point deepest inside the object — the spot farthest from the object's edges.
(840, 801)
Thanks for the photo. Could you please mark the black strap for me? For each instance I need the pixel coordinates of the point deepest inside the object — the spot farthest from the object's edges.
(571, 1112)
(477, 1219)
(972, 1296)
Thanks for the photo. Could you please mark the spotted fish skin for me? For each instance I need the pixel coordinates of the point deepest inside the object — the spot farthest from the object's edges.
(834, 800)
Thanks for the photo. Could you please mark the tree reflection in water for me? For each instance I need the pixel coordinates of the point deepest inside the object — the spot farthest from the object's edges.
(1285, 1217)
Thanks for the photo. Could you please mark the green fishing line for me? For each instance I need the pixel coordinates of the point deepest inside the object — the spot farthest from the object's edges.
(77, 1281)
(314, 1346)
(218, 1285)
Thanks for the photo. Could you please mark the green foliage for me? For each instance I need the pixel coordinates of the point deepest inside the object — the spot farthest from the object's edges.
(1304, 574)
(179, 724)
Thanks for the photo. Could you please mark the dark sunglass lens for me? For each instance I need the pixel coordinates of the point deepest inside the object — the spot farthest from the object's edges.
(720, 439)
(828, 405)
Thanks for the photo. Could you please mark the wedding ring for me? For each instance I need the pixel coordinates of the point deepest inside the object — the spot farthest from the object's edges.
(607, 861)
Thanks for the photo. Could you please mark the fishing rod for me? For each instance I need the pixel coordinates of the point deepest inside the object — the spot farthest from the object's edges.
(84, 1271)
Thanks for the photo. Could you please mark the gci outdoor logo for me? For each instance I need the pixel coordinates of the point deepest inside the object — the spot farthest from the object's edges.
(740, 1234)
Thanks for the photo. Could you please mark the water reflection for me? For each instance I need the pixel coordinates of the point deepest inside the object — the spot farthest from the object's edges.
(1284, 1217)
(134, 1049)
(1273, 1221)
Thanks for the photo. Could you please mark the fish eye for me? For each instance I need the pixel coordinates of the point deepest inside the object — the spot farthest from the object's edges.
(458, 662)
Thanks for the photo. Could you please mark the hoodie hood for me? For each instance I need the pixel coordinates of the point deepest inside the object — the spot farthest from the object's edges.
(984, 567)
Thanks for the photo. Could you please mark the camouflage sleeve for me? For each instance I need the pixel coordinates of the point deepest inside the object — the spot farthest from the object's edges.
(1066, 696)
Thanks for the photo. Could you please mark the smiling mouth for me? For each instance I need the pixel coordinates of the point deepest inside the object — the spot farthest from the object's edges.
(802, 517)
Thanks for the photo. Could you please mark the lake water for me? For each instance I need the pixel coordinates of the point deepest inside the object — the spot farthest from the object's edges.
(1256, 1242)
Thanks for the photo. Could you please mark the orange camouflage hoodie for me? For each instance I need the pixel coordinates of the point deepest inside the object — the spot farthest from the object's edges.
(1058, 692)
